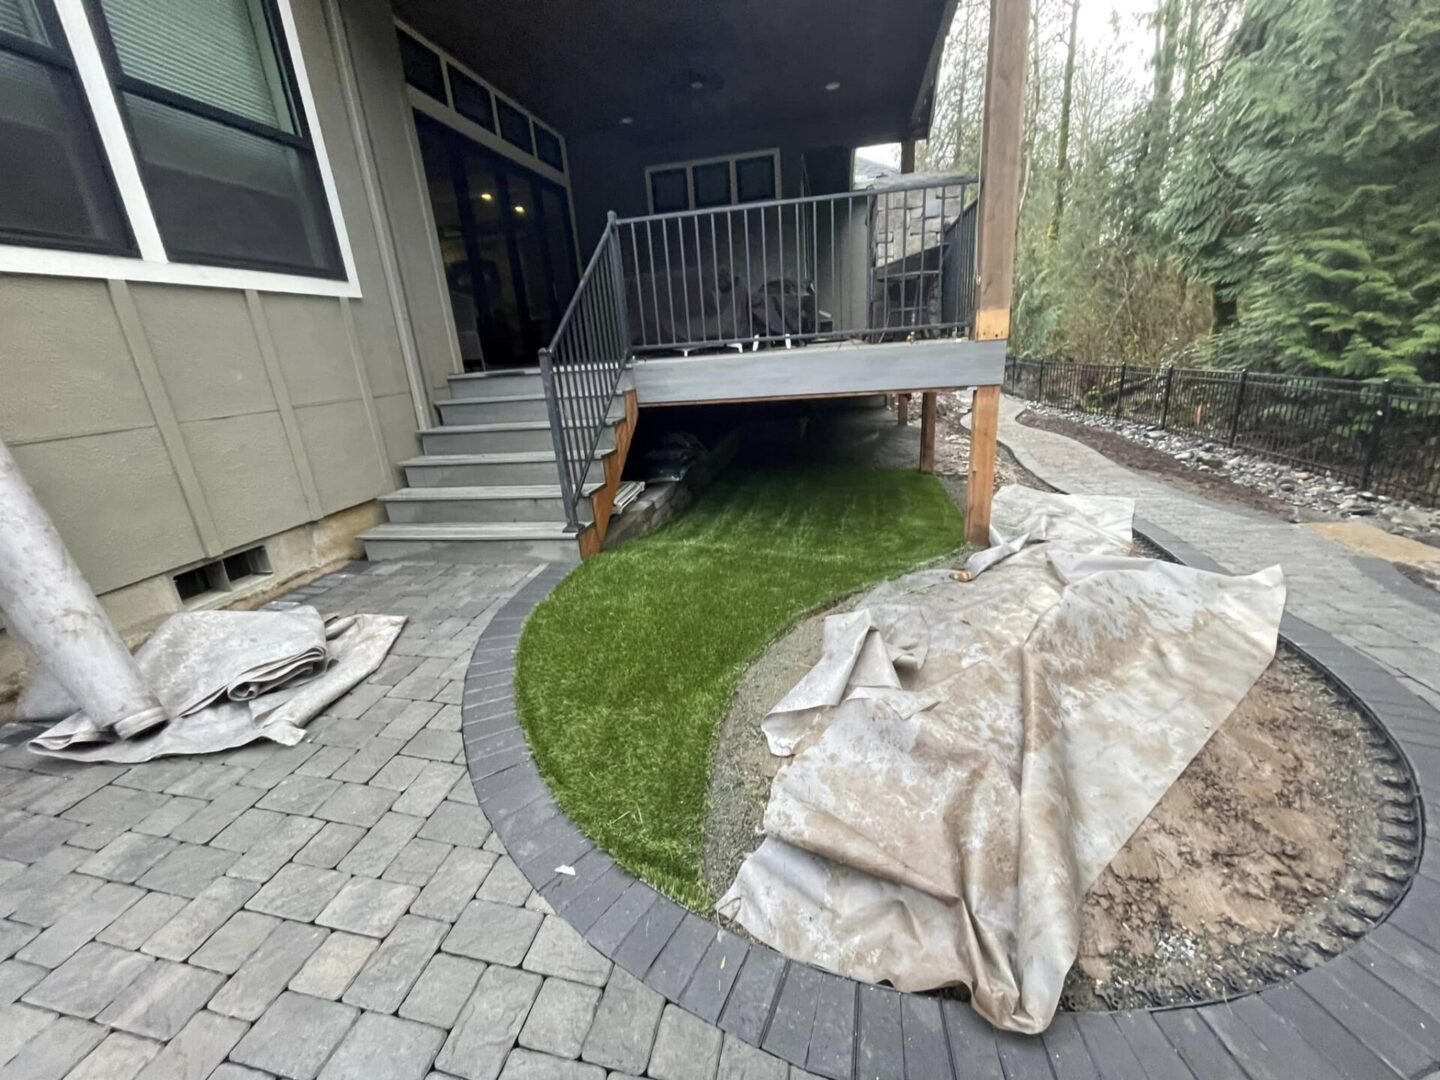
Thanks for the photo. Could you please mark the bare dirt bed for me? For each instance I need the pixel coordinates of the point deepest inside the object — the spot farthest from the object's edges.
(1241, 871)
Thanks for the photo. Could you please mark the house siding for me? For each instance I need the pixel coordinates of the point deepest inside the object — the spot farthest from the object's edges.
(162, 425)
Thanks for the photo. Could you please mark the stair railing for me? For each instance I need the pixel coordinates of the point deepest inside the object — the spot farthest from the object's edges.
(582, 366)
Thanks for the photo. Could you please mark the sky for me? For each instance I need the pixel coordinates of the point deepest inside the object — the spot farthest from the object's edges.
(1097, 30)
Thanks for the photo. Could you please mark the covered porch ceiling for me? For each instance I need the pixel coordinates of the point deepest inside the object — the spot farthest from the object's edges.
(732, 65)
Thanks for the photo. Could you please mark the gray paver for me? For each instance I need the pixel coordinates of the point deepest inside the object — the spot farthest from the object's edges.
(367, 906)
(127, 856)
(454, 884)
(162, 1000)
(489, 1024)
(298, 892)
(356, 804)
(14, 936)
(265, 858)
(55, 1052)
(333, 966)
(373, 855)
(232, 944)
(187, 870)
(442, 990)
(686, 1048)
(141, 919)
(367, 761)
(165, 820)
(73, 929)
(299, 794)
(204, 825)
(18, 1025)
(247, 830)
(505, 884)
(198, 919)
(115, 804)
(119, 1057)
(741, 1061)
(531, 1065)
(385, 1046)
(270, 967)
(495, 933)
(88, 981)
(560, 1018)
(398, 773)
(386, 980)
(331, 844)
(558, 950)
(428, 790)
(16, 977)
(458, 824)
(417, 862)
(324, 763)
(625, 1025)
(295, 1036)
(193, 1054)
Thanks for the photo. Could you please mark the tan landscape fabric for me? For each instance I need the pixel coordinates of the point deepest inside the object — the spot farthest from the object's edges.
(967, 757)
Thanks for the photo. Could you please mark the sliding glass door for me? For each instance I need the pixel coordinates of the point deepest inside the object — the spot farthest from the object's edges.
(506, 244)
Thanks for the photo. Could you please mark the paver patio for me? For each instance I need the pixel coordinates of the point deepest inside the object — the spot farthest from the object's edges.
(342, 908)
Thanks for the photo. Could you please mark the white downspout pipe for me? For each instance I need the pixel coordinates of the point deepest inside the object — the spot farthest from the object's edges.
(48, 603)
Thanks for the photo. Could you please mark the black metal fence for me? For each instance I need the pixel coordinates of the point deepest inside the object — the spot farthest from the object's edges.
(1381, 436)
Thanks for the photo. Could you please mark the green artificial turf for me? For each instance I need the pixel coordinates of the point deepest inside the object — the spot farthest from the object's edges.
(625, 672)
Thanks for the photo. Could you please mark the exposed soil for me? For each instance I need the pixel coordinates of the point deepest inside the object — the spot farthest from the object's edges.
(1148, 460)
(1259, 861)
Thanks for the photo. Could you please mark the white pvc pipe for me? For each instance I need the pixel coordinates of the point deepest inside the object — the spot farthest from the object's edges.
(48, 603)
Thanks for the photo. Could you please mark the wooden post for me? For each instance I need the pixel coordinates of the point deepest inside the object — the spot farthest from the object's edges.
(995, 241)
(902, 409)
(929, 407)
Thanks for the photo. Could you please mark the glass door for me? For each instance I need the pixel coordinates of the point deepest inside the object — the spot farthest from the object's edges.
(506, 246)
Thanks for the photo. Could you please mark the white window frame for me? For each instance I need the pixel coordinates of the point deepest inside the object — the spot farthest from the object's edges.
(689, 166)
(152, 264)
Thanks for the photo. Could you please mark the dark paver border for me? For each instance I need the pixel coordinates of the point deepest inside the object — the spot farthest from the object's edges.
(1363, 1014)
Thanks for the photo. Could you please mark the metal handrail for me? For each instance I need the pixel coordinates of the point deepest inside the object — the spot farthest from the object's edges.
(582, 366)
(878, 264)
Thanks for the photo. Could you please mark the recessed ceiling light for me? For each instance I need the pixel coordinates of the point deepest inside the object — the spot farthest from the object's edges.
(519, 209)
(627, 120)
(833, 84)
(485, 196)
(697, 84)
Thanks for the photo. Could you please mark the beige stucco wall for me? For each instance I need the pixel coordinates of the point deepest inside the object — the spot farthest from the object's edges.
(163, 425)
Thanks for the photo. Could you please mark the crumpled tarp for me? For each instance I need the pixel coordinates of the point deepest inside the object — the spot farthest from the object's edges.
(968, 756)
(224, 678)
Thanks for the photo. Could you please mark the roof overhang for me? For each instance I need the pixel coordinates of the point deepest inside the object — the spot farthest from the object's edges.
(734, 65)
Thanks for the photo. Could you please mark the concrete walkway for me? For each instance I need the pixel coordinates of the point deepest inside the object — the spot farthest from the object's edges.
(1385, 616)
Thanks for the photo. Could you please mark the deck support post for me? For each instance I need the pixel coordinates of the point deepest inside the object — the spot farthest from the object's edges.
(999, 211)
(902, 409)
(929, 410)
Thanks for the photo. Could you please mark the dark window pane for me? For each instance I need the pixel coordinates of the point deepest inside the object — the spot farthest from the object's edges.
(221, 53)
(755, 178)
(422, 67)
(669, 191)
(547, 148)
(55, 188)
(712, 185)
(225, 196)
(514, 126)
(472, 100)
(22, 18)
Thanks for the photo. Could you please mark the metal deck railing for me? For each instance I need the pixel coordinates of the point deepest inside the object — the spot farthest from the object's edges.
(889, 264)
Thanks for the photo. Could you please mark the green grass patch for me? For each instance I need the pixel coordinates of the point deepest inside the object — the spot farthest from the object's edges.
(625, 672)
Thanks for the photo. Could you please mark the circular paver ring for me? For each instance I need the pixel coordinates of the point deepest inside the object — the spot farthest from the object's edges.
(1368, 1012)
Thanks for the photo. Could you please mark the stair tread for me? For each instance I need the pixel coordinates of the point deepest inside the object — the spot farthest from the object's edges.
(503, 457)
(486, 530)
(494, 429)
(492, 491)
(492, 400)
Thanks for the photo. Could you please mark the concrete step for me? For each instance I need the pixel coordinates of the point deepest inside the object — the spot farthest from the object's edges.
(492, 384)
(495, 438)
(473, 542)
(493, 410)
(486, 470)
(473, 505)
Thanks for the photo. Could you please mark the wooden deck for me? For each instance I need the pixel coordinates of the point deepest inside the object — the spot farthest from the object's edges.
(818, 371)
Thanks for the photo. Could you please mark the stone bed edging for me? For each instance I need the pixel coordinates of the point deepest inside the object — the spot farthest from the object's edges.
(837, 1028)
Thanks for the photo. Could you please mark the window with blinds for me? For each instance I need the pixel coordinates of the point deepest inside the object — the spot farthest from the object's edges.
(210, 99)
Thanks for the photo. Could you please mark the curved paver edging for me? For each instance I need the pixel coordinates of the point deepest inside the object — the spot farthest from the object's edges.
(1363, 1014)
